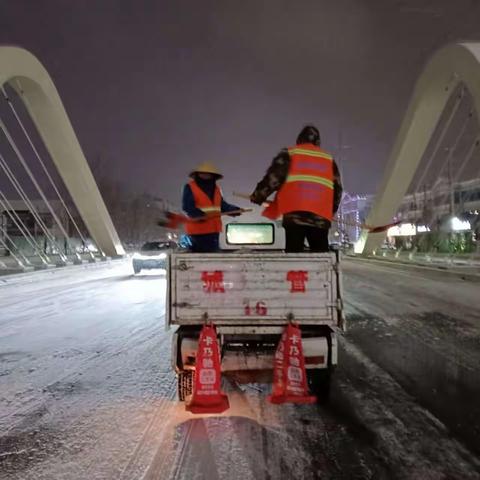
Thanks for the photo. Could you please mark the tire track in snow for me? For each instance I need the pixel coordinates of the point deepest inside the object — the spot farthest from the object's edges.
(72, 376)
(414, 443)
(135, 463)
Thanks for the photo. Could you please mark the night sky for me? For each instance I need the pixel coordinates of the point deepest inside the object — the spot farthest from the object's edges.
(155, 87)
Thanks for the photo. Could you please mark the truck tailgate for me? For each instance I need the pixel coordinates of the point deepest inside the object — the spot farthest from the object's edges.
(253, 288)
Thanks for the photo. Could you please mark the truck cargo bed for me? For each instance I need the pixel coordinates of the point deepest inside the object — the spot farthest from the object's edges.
(256, 288)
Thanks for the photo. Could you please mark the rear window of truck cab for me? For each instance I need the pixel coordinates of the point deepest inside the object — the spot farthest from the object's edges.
(250, 234)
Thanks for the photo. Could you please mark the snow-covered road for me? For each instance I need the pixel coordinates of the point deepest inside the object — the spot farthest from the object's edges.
(87, 391)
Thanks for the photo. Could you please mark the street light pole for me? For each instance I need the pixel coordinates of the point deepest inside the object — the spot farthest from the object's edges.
(340, 159)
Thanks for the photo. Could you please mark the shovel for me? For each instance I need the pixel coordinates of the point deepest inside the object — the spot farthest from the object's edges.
(370, 228)
(174, 220)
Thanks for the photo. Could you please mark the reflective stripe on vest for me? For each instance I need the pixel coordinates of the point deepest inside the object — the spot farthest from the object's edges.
(310, 153)
(207, 206)
(210, 209)
(310, 178)
(309, 185)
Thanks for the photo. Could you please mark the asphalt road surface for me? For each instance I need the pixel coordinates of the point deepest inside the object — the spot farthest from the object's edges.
(87, 390)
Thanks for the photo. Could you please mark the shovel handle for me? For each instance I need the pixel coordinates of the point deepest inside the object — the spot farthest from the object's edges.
(246, 196)
(371, 228)
(239, 211)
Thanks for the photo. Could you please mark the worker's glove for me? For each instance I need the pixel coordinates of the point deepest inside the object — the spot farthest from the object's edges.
(254, 199)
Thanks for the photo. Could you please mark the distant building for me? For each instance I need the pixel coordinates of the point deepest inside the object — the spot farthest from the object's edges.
(444, 207)
(442, 218)
(444, 200)
(351, 214)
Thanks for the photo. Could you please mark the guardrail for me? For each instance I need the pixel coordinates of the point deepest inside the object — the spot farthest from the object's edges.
(430, 258)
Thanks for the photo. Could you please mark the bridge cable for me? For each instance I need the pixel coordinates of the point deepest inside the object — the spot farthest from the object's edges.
(5, 235)
(34, 181)
(44, 168)
(30, 205)
(2, 242)
(468, 157)
(465, 162)
(436, 148)
(17, 221)
(454, 146)
(449, 156)
(440, 138)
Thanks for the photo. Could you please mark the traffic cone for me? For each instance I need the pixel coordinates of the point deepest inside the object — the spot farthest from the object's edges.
(289, 376)
(207, 396)
(278, 388)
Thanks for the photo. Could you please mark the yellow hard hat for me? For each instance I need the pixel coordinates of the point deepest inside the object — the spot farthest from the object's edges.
(207, 167)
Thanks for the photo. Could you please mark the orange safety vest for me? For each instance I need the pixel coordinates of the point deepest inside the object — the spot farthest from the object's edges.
(308, 186)
(203, 203)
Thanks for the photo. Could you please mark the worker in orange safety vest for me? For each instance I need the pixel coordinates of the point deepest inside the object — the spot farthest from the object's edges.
(309, 190)
(202, 199)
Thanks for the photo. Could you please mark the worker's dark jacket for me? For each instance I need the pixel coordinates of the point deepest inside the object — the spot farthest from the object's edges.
(274, 179)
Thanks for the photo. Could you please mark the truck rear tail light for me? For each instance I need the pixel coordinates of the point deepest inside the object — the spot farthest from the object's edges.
(315, 360)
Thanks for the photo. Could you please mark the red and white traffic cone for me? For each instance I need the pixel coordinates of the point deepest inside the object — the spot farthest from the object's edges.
(207, 395)
(278, 388)
(289, 376)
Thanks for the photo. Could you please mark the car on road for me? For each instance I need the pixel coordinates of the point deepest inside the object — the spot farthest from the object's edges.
(153, 255)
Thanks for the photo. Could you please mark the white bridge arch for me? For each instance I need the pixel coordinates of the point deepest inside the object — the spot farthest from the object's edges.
(446, 69)
(23, 72)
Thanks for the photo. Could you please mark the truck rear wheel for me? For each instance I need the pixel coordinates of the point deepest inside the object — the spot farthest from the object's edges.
(319, 380)
(185, 381)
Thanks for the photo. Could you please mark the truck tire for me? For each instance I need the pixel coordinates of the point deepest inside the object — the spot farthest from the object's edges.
(319, 383)
(185, 384)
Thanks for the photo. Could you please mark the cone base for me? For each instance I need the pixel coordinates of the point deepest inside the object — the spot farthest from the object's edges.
(218, 407)
(307, 399)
